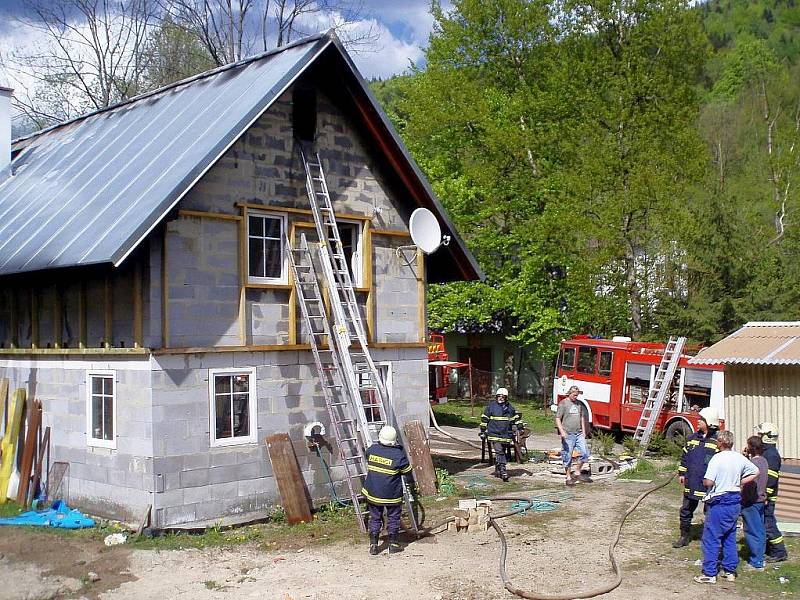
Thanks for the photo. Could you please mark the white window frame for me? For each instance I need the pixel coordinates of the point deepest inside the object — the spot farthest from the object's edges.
(90, 439)
(357, 264)
(252, 405)
(284, 276)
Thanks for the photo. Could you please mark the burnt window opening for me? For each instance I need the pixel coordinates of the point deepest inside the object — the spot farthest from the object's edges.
(304, 113)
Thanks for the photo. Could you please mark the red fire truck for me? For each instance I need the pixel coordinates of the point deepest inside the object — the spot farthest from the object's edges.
(615, 376)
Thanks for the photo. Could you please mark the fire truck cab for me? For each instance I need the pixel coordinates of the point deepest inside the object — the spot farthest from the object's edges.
(615, 377)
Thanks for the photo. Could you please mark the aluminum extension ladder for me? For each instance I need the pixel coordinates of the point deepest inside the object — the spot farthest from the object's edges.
(659, 391)
(347, 427)
(364, 380)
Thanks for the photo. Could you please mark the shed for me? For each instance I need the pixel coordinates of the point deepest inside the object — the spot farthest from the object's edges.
(762, 383)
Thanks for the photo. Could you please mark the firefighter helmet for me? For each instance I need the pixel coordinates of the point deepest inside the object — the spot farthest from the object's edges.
(387, 435)
(710, 416)
(767, 431)
(501, 392)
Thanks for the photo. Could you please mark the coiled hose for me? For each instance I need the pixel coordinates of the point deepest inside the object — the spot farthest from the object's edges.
(525, 504)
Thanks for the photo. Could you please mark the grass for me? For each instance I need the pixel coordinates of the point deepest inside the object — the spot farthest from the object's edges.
(646, 469)
(10, 509)
(459, 413)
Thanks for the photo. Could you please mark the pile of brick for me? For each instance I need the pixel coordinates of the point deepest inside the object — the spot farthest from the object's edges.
(471, 516)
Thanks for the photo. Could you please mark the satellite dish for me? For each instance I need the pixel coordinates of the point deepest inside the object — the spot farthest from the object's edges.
(425, 230)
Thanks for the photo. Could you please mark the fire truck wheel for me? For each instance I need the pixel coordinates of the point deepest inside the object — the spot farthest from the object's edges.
(677, 429)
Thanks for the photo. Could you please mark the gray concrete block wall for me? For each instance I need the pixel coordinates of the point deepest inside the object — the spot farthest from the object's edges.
(195, 481)
(397, 307)
(268, 318)
(107, 482)
(203, 281)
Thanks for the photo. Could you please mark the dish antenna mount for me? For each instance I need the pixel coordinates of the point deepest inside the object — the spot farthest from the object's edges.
(425, 233)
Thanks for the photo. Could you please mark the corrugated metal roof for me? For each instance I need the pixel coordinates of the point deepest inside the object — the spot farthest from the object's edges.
(756, 343)
(88, 191)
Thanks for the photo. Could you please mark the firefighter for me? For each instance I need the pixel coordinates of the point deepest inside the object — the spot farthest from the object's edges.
(699, 448)
(498, 421)
(776, 549)
(386, 464)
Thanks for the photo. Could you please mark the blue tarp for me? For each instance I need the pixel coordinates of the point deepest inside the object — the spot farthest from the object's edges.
(60, 516)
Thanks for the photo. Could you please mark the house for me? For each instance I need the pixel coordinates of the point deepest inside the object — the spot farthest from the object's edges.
(144, 292)
(762, 383)
(497, 361)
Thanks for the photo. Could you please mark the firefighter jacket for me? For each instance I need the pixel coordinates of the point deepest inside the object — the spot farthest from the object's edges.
(773, 470)
(696, 453)
(498, 420)
(385, 466)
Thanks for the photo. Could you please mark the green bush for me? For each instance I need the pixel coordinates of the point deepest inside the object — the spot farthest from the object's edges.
(445, 483)
(630, 445)
(661, 446)
(602, 443)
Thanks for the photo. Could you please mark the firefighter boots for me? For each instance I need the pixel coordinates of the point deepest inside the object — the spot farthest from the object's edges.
(503, 472)
(373, 544)
(684, 539)
(394, 544)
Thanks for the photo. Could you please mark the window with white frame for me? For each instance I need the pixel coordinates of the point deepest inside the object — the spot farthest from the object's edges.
(266, 252)
(232, 393)
(350, 234)
(101, 409)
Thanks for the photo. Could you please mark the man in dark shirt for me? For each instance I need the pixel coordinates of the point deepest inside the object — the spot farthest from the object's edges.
(498, 421)
(776, 549)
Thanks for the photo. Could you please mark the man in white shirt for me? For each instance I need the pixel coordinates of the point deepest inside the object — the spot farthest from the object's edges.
(727, 472)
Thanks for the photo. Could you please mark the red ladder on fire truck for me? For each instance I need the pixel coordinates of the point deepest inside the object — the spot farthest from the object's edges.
(659, 391)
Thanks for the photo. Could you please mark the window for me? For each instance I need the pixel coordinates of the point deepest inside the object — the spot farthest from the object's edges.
(233, 406)
(350, 234)
(604, 367)
(370, 398)
(266, 253)
(638, 382)
(568, 358)
(101, 409)
(587, 359)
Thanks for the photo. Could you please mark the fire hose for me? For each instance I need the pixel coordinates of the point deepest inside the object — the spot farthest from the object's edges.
(603, 589)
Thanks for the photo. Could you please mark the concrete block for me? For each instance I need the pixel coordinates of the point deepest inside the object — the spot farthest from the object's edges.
(176, 515)
(221, 491)
(194, 478)
(171, 498)
(200, 460)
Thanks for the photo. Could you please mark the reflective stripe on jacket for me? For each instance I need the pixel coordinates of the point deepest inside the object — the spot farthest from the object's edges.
(774, 472)
(498, 421)
(696, 454)
(385, 466)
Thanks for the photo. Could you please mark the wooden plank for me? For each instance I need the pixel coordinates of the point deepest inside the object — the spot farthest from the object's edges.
(108, 313)
(34, 319)
(421, 306)
(208, 215)
(368, 255)
(82, 316)
(392, 233)
(10, 439)
(58, 317)
(291, 485)
(28, 452)
(44, 449)
(243, 244)
(292, 294)
(298, 211)
(420, 456)
(164, 293)
(138, 311)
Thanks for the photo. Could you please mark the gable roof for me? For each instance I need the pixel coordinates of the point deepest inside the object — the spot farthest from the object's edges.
(756, 343)
(90, 190)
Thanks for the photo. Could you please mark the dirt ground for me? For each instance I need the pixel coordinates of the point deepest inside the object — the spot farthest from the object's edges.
(551, 553)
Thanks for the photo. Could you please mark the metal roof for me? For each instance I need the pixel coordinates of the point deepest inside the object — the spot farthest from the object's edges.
(756, 343)
(89, 190)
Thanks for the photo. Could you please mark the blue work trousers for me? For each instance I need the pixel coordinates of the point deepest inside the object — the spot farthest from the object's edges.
(754, 533)
(393, 514)
(722, 513)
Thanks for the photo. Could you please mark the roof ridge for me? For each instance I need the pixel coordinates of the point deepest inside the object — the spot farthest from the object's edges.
(187, 80)
(771, 324)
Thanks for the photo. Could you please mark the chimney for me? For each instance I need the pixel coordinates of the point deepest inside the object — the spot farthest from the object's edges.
(5, 131)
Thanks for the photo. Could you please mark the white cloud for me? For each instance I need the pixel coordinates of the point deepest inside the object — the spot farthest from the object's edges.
(391, 55)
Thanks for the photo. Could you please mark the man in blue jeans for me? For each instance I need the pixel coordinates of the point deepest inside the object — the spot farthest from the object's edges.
(572, 428)
(727, 472)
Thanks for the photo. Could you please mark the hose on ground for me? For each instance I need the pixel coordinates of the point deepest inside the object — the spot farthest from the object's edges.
(523, 504)
(604, 589)
(443, 432)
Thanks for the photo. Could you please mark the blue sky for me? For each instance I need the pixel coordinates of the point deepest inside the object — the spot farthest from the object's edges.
(403, 27)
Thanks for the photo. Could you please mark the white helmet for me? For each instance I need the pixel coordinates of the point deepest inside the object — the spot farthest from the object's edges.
(501, 392)
(710, 416)
(387, 435)
(767, 431)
